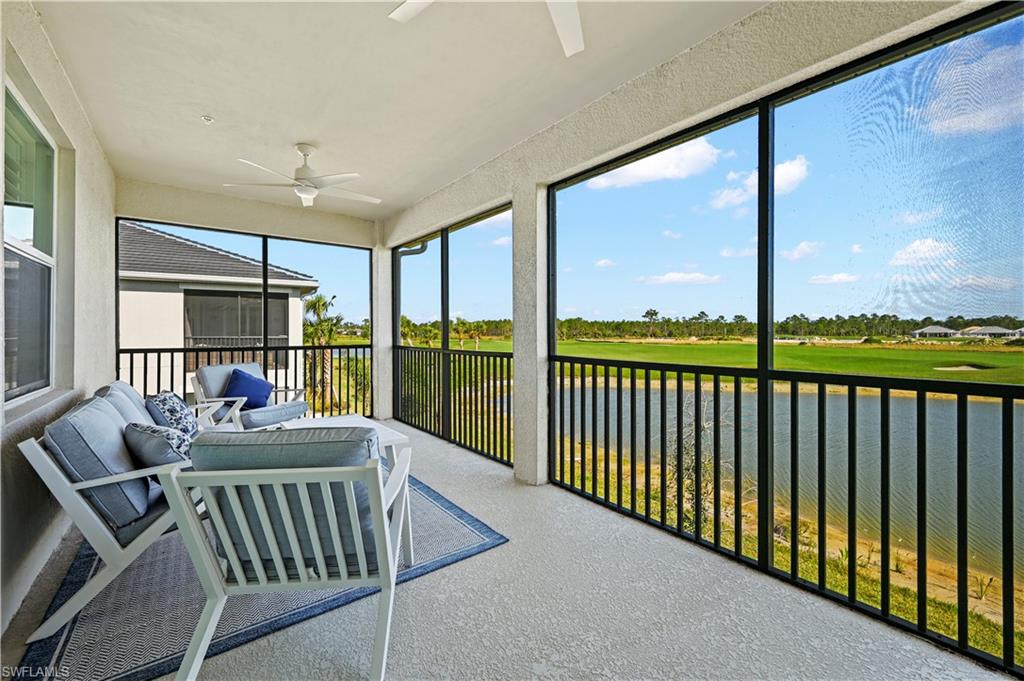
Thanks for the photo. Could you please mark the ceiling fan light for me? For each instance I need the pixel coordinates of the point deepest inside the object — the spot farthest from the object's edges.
(304, 192)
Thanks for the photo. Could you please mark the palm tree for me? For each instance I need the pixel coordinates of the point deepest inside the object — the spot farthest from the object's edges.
(652, 318)
(406, 330)
(320, 328)
(476, 330)
(459, 329)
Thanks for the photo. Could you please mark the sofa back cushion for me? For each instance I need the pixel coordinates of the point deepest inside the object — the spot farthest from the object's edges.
(127, 400)
(214, 378)
(301, 448)
(88, 443)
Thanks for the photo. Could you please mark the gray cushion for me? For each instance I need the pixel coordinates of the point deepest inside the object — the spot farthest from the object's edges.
(127, 401)
(214, 378)
(156, 445)
(301, 448)
(273, 413)
(87, 443)
(157, 507)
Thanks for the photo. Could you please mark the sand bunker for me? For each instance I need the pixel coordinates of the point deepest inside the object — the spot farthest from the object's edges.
(962, 367)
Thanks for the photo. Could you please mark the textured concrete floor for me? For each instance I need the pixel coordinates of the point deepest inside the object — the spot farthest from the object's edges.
(581, 592)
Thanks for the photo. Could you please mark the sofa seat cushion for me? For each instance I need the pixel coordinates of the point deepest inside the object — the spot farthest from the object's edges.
(302, 448)
(254, 389)
(156, 445)
(88, 443)
(127, 400)
(273, 414)
(169, 410)
(157, 507)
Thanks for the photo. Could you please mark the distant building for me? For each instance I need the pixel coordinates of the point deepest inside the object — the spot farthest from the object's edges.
(1018, 333)
(933, 331)
(987, 332)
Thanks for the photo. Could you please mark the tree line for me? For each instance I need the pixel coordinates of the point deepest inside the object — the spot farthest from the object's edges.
(701, 325)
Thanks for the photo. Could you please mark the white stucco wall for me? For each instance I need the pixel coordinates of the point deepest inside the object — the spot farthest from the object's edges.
(32, 522)
(161, 203)
(781, 44)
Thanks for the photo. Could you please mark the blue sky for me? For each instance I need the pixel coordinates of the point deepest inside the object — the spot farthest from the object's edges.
(341, 271)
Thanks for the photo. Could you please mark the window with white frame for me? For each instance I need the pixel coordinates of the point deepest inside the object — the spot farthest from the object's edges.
(29, 192)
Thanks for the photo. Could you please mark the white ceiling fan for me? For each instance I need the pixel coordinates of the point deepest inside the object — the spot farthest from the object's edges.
(306, 183)
(565, 14)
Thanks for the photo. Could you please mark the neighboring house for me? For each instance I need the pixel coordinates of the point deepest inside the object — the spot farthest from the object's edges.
(933, 331)
(1018, 333)
(988, 332)
(179, 293)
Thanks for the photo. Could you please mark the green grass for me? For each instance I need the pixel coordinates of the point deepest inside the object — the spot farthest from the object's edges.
(999, 366)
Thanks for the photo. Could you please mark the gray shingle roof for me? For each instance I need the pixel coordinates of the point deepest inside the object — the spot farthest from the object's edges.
(145, 249)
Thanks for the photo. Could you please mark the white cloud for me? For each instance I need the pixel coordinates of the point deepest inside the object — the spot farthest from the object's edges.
(788, 176)
(916, 218)
(681, 278)
(500, 220)
(669, 234)
(676, 163)
(837, 278)
(502, 241)
(987, 282)
(737, 253)
(567, 269)
(856, 248)
(604, 262)
(921, 251)
(915, 279)
(973, 93)
(804, 249)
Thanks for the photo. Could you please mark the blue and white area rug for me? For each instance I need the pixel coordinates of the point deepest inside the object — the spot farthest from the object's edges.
(139, 627)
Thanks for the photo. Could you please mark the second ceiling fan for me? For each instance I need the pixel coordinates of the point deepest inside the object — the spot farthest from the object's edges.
(565, 15)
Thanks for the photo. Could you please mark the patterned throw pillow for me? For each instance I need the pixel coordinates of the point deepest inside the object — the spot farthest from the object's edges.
(169, 410)
(156, 445)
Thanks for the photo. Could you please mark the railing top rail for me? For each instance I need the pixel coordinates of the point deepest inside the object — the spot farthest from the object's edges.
(248, 348)
(897, 383)
(705, 369)
(481, 353)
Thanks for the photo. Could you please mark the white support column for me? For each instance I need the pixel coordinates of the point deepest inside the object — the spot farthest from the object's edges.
(530, 351)
(382, 329)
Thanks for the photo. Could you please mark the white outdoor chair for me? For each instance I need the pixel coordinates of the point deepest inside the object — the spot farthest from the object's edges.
(214, 410)
(272, 514)
(103, 539)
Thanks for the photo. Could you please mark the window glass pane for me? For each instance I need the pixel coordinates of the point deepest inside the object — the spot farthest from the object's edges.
(29, 180)
(480, 284)
(900, 232)
(187, 287)
(657, 258)
(331, 303)
(420, 292)
(26, 325)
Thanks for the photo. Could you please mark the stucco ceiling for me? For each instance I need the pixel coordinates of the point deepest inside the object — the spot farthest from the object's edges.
(410, 107)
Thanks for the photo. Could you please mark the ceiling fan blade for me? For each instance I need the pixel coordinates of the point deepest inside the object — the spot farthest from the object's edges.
(258, 184)
(565, 14)
(307, 201)
(325, 181)
(408, 10)
(355, 196)
(268, 170)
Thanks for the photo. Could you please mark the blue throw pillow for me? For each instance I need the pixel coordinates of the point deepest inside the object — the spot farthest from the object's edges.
(254, 389)
(169, 410)
(156, 445)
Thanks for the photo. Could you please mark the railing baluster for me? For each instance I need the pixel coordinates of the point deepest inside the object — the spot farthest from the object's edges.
(561, 421)
(922, 511)
(794, 479)
(822, 489)
(962, 565)
(593, 426)
(607, 425)
(1008, 539)
(737, 464)
(618, 436)
(572, 424)
(145, 374)
(885, 500)
(851, 498)
(632, 440)
(698, 458)
(716, 465)
(647, 444)
(680, 477)
(663, 470)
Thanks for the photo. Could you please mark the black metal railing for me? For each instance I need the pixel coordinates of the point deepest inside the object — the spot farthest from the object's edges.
(897, 497)
(337, 379)
(463, 396)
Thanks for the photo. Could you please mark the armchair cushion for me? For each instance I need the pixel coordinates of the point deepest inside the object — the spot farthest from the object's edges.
(169, 410)
(214, 378)
(254, 389)
(128, 402)
(273, 414)
(156, 445)
(87, 443)
(157, 507)
(300, 448)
